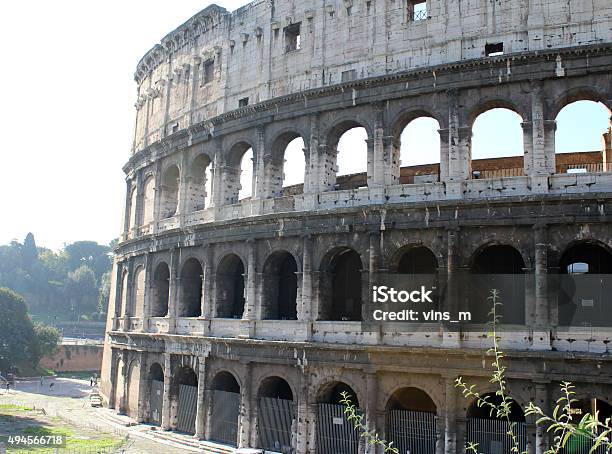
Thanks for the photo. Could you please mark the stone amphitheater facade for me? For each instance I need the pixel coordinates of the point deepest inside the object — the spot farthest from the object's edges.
(233, 311)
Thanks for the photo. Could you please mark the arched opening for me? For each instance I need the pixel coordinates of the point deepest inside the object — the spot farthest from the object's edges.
(490, 430)
(198, 188)
(170, 192)
(124, 306)
(330, 413)
(411, 421)
(132, 209)
(352, 155)
(225, 409)
(585, 285)
(183, 393)
(341, 286)
(191, 289)
(139, 292)
(238, 173)
(420, 151)
(133, 384)
(578, 444)
(496, 267)
(349, 156)
(276, 415)
(416, 260)
(286, 167)
(280, 287)
(161, 290)
(230, 288)
(497, 144)
(155, 381)
(149, 200)
(582, 138)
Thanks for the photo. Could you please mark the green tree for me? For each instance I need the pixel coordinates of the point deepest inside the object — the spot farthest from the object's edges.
(48, 339)
(18, 341)
(89, 253)
(82, 291)
(29, 252)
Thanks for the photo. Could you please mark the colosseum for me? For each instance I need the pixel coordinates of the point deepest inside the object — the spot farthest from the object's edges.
(236, 321)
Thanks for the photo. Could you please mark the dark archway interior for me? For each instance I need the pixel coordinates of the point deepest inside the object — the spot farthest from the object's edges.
(161, 284)
(346, 286)
(498, 259)
(484, 412)
(191, 283)
(230, 293)
(156, 372)
(586, 258)
(280, 287)
(224, 381)
(185, 376)
(411, 399)
(592, 406)
(417, 260)
(275, 387)
(498, 267)
(333, 394)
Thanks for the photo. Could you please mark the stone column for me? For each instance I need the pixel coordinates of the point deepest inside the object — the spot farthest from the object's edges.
(139, 201)
(244, 435)
(127, 299)
(184, 183)
(158, 194)
(262, 187)
(311, 179)
(247, 325)
(216, 188)
(117, 310)
(143, 385)
(200, 423)
(127, 209)
(541, 337)
(165, 422)
(207, 284)
(112, 396)
(370, 407)
(392, 165)
(451, 335)
(149, 283)
(174, 290)
(459, 149)
(123, 371)
(305, 309)
(302, 416)
(450, 416)
(541, 400)
(542, 159)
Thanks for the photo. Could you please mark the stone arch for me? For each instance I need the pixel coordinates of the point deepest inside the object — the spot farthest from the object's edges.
(199, 183)
(483, 412)
(411, 398)
(133, 388)
(278, 163)
(160, 290)
(224, 380)
(124, 294)
(581, 93)
(585, 283)
(148, 202)
(234, 176)
(340, 297)
(139, 292)
(275, 387)
(230, 287)
(501, 267)
(170, 191)
(484, 121)
(280, 286)
(191, 289)
(330, 391)
(406, 260)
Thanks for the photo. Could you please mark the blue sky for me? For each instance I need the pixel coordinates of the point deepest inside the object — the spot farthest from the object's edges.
(67, 114)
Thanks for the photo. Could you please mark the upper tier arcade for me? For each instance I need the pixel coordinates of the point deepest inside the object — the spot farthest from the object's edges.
(218, 61)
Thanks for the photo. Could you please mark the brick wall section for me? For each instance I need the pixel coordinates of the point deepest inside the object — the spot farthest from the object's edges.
(73, 358)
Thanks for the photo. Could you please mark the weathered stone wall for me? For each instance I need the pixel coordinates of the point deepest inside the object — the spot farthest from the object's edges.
(75, 358)
(371, 38)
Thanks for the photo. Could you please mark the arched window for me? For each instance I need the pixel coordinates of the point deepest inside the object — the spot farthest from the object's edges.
(500, 268)
(183, 392)
(579, 138)
(230, 287)
(294, 163)
(132, 209)
(191, 289)
(161, 290)
(330, 415)
(280, 287)
(420, 151)
(149, 200)
(246, 175)
(341, 286)
(170, 192)
(198, 190)
(497, 133)
(225, 409)
(585, 285)
(139, 292)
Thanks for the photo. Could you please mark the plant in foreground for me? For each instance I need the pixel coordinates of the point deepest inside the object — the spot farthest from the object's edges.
(560, 423)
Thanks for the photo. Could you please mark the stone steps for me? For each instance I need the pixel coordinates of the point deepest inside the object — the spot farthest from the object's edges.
(121, 420)
(205, 447)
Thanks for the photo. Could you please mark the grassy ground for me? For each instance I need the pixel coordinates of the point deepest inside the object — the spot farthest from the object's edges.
(16, 420)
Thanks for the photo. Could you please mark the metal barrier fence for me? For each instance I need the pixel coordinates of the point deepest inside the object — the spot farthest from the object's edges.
(276, 417)
(412, 432)
(582, 445)
(492, 437)
(224, 421)
(187, 408)
(334, 433)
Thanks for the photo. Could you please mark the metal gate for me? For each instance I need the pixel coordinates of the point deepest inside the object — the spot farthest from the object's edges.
(187, 408)
(581, 445)
(275, 418)
(412, 432)
(225, 411)
(334, 433)
(156, 402)
(492, 435)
